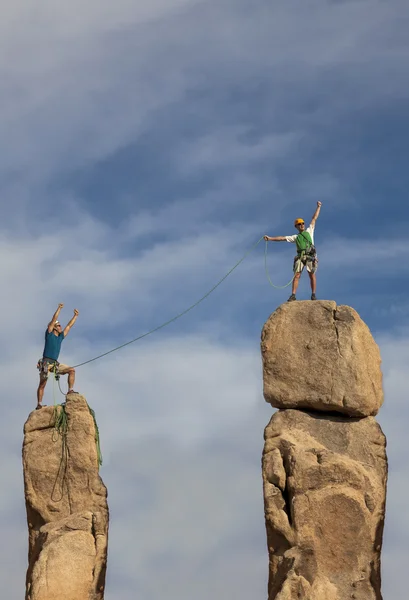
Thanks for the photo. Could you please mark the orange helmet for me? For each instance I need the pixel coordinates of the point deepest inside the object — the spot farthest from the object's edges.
(298, 222)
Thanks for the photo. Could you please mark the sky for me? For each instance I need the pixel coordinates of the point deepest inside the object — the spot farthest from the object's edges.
(146, 146)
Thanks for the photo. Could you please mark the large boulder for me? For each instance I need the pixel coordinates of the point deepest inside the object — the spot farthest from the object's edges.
(66, 505)
(324, 495)
(320, 356)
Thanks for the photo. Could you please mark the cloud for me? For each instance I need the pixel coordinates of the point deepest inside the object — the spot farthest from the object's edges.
(395, 354)
(89, 86)
(145, 147)
(160, 408)
(233, 147)
(181, 418)
(373, 255)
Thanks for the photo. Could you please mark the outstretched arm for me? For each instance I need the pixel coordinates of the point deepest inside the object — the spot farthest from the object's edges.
(278, 238)
(55, 317)
(71, 323)
(316, 214)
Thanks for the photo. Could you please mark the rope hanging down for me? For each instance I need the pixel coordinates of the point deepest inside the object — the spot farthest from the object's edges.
(61, 430)
(177, 316)
(277, 287)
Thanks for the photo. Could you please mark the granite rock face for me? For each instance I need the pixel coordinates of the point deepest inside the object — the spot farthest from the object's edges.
(66, 503)
(320, 356)
(324, 492)
(324, 459)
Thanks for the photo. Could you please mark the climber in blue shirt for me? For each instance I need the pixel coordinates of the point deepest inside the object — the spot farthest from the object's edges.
(54, 337)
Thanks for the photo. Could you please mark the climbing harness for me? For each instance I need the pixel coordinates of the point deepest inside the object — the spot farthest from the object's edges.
(306, 252)
(305, 247)
(277, 287)
(303, 241)
(140, 337)
(43, 365)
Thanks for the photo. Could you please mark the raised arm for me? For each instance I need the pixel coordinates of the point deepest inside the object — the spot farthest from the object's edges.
(316, 214)
(71, 323)
(277, 238)
(55, 317)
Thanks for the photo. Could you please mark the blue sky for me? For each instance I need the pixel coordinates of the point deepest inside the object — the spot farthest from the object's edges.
(145, 147)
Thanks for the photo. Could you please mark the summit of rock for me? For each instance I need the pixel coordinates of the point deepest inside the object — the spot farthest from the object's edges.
(320, 356)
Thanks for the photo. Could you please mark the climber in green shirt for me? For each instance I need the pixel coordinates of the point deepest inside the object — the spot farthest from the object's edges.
(306, 252)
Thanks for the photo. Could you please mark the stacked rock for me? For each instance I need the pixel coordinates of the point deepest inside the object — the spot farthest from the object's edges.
(66, 503)
(324, 459)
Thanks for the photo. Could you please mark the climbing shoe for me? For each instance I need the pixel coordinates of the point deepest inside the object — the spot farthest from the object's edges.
(313, 297)
(291, 298)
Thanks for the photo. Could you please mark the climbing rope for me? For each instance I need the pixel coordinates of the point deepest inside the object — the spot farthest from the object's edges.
(60, 430)
(97, 439)
(140, 337)
(60, 419)
(60, 415)
(55, 378)
(59, 387)
(277, 287)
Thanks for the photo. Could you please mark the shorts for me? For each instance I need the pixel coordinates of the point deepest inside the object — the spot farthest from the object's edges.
(46, 366)
(311, 262)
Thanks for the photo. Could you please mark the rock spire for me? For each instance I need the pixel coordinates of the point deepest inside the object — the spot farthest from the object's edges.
(324, 459)
(67, 511)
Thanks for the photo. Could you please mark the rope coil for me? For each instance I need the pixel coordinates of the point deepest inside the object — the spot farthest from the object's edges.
(277, 287)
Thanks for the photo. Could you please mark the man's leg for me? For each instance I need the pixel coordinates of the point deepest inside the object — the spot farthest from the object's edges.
(71, 379)
(40, 391)
(297, 269)
(313, 282)
(296, 281)
(312, 268)
(70, 371)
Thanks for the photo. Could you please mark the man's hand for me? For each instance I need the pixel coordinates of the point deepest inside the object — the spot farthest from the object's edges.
(71, 323)
(55, 317)
(317, 212)
(266, 238)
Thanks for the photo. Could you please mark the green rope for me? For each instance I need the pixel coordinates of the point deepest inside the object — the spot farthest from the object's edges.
(54, 380)
(277, 287)
(177, 316)
(60, 430)
(60, 419)
(97, 439)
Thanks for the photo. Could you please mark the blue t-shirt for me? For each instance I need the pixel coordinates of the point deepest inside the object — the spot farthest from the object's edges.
(52, 345)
